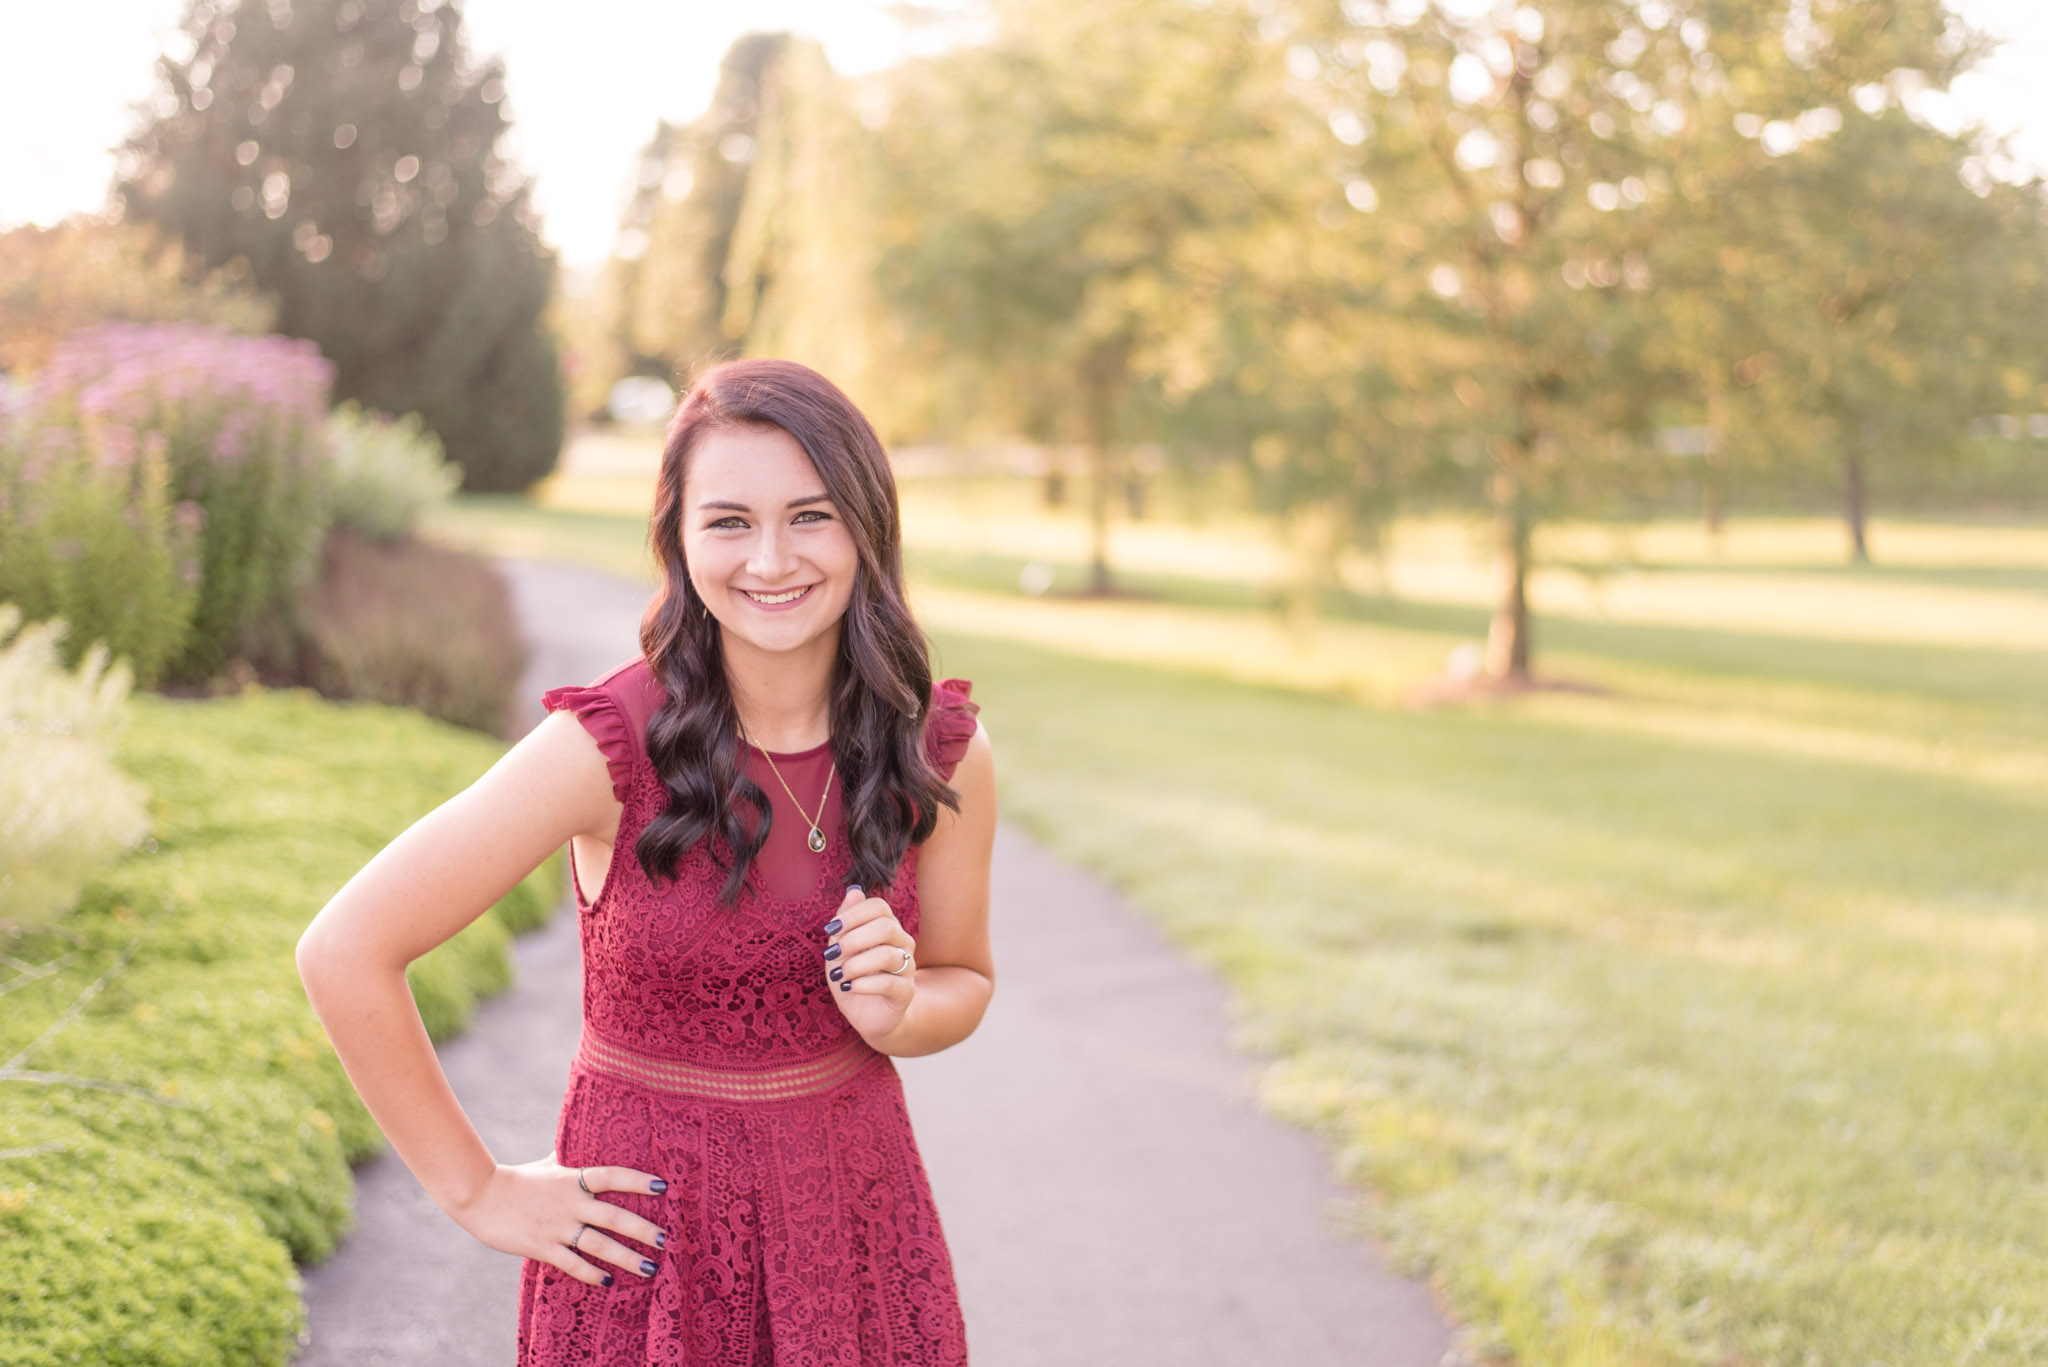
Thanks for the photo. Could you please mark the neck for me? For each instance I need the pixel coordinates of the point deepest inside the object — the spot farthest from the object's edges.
(784, 697)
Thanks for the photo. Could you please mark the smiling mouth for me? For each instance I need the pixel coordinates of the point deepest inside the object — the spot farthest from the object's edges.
(773, 598)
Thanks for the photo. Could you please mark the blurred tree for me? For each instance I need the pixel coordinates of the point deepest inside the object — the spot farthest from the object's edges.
(1903, 305)
(664, 289)
(1510, 145)
(1837, 291)
(347, 151)
(799, 269)
(1056, 199)
(750, 231)
(1300, 368)
(1561, 178)
(86, 271)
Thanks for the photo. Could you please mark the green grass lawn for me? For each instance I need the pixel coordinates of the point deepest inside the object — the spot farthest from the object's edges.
(198, 1140)
(1692, 1017)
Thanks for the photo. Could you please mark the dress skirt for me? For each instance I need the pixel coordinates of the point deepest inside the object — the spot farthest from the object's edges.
(801, 1226)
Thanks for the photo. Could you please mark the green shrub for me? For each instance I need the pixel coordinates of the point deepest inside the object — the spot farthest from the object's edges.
(386, 472)
(89, 534)
(413, 624)
(65, 811)
(152, 1206)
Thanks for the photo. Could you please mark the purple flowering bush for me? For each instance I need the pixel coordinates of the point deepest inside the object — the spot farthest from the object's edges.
(150, 462)
(90, 534)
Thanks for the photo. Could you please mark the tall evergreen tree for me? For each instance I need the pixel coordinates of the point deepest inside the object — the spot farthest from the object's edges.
(347, 151)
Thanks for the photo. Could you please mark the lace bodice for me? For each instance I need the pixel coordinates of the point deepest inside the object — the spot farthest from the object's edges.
(668, 970)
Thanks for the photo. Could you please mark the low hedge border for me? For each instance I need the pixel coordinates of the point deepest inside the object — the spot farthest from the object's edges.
(185, 1135)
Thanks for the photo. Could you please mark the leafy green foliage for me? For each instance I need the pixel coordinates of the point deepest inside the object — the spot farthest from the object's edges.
(1064, 203)
(346, 151)
(386, 471)
(90, 536)
(151, 1205)
(665, 287)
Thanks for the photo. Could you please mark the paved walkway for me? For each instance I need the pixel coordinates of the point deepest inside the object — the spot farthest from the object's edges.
(1111, 1192)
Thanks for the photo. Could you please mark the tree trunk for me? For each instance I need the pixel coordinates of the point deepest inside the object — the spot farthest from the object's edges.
(1507, 636)
(1713, 499)
(1714, 467)
(1102, 378)
(1101, 490)
(1853, 500)
(1317, 534)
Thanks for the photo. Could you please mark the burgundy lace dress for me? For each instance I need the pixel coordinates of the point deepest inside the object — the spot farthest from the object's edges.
(801, 1228)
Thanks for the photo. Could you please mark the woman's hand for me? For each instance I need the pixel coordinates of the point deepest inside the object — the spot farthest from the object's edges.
(533, 1209)
(863, 948)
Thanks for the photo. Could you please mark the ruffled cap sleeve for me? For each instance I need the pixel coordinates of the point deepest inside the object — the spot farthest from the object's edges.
(599, 708)
(949, 725)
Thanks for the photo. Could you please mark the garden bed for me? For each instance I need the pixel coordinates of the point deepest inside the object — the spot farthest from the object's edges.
(185, 1135)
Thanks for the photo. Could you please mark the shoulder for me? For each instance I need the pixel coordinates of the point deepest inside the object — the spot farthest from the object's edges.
(638, 689)
(614, 707)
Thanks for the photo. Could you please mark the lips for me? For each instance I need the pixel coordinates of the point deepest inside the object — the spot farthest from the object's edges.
(770, 600)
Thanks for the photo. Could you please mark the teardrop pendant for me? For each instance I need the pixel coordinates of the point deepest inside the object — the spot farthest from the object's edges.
(817, 841)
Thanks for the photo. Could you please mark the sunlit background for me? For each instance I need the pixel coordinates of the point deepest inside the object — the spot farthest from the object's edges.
(1517, 533)
(73, 71)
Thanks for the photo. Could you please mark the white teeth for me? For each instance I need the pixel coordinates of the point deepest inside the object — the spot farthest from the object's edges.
(777, 597)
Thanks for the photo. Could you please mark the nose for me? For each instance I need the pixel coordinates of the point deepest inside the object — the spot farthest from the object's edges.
(773, 558)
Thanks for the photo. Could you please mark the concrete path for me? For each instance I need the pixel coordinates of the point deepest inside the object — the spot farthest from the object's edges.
(1110, 1190)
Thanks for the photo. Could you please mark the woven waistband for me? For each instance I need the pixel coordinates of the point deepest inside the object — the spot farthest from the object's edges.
(813, 1075)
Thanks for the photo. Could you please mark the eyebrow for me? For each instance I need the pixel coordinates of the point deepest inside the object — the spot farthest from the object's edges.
(743, 508)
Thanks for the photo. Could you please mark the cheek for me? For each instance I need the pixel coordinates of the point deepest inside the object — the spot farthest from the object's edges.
(709, 566)
(841, 558)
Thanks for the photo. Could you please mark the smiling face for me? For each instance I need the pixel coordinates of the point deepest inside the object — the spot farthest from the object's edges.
(766, 548)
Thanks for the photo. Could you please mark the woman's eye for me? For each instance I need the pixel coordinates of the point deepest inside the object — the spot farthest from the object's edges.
(813, 512)
(728, 522)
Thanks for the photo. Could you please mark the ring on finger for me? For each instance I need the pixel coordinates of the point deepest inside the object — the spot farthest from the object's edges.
(583, 1184)
(906, 960)
(580, 1230)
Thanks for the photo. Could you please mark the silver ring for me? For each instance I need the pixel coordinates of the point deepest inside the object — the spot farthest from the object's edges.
(577, 1235)
(583, 1184)
(906, 959)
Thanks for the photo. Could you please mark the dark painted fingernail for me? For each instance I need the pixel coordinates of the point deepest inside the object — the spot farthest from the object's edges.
(833, 925)
(853, 887)
(607, 1279)
(658, 1186)
(831, 951)
(661, 1238)
(846, 986)
(838, 972)
(647, 1267)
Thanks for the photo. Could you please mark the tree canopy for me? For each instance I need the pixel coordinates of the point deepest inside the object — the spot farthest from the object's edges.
(1555, 258)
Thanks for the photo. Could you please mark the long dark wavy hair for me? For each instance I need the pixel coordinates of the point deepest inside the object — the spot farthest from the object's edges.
(880, 682)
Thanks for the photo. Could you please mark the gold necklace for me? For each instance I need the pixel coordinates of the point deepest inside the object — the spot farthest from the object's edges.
(816, 839)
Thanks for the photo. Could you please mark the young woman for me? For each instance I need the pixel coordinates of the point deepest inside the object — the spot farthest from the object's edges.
(780, 831)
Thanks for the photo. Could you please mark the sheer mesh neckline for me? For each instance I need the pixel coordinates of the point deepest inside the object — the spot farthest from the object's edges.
(791, 754)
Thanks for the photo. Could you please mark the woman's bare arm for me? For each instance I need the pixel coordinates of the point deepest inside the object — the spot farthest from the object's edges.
(446, 870)
(955, 973)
